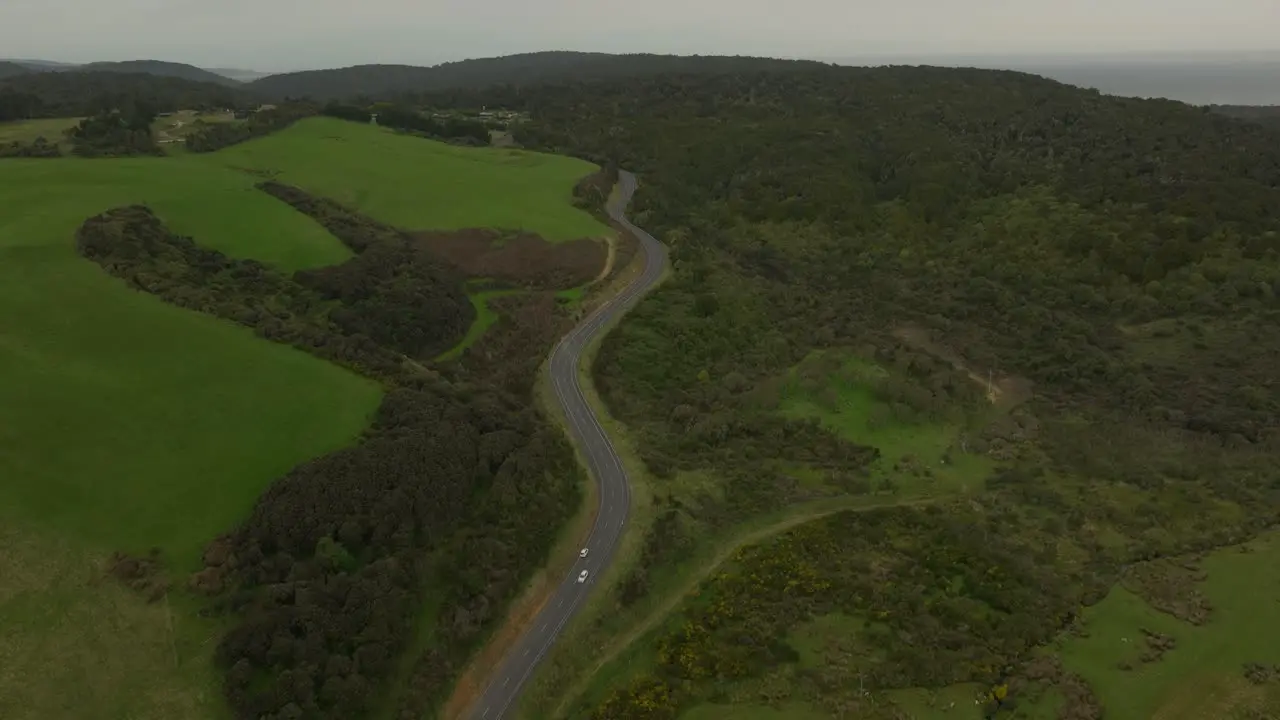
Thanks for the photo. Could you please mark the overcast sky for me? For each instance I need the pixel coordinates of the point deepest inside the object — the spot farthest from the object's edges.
(297, 34)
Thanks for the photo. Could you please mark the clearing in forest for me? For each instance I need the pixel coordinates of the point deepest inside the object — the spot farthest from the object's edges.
(918, 432)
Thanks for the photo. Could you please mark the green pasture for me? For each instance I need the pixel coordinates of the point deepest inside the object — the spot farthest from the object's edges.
(418, 184)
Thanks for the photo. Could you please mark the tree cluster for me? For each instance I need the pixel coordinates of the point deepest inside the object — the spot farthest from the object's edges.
(353, 113)
(215, 136)
(120, 126)
(38, 148)
(591, 193)
(449, 128)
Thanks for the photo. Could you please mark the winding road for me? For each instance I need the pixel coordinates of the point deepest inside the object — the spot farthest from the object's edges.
(603, 462)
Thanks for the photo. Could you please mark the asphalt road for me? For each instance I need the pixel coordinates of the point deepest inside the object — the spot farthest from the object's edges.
(605, 466)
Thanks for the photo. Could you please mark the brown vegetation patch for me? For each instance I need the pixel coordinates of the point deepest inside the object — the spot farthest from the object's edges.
(1078, 701)
(509, 354)
(142, 574)
(1008, 391)
(1171, 585)
(519, 258)
(1261, 673)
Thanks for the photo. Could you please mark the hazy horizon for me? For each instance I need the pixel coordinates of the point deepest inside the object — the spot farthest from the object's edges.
(1201, 78)
(279, 36)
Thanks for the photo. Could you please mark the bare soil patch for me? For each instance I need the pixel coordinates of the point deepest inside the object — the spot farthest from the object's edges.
(518, 258)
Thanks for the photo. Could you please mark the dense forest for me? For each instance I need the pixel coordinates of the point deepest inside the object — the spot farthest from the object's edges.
(1119, 256)
(454, 494)
(1265, 114)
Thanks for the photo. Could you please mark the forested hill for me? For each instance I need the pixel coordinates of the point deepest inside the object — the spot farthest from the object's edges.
(380, 81)
(1047, 224)
(64, 94)
(159, 68)
(1113, 263)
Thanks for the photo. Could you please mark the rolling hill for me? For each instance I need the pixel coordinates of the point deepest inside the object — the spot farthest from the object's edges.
(69, 94)
(156, 67)
(523, 69)
(152, 67)
(240, 75)
(39, 64)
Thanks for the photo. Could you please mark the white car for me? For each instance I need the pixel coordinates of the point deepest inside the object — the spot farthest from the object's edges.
(582, 552)
(582, 576)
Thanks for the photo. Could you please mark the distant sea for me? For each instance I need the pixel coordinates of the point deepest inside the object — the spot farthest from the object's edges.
(1198, 79)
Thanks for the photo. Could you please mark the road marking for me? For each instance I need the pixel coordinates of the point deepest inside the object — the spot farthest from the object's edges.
(526, 652)
(544, 627)
(507, 681)
(561, 603)
(486, 713)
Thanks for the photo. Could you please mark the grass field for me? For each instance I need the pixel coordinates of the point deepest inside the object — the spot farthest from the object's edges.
(127, 423)
(73, 645)
(420, 184)
(1202, 676)
(219, 206)
(25, 131)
